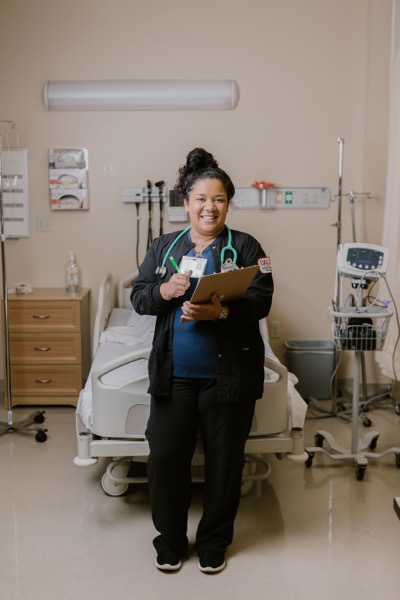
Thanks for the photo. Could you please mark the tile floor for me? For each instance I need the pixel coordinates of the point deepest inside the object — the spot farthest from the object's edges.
(311, 534)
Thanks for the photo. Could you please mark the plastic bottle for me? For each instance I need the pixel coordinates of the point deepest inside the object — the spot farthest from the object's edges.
(72, 274)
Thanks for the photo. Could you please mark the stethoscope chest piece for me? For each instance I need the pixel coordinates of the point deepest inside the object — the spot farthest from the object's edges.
(161, 271)
(228, 265)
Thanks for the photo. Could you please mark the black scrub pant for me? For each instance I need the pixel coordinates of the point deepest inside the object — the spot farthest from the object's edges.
(172, 432)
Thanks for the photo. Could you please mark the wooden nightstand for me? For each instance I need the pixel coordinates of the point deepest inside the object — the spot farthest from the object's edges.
(49, 333)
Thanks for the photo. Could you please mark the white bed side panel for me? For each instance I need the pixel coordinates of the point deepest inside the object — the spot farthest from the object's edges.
(121, 409)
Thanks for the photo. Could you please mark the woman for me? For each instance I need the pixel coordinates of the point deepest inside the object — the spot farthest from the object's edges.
(206, 367)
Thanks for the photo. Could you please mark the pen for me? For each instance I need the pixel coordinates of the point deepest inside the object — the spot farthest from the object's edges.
(171, 258)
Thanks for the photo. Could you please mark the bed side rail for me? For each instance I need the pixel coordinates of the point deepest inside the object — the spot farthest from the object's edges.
(124, 290)
(117, 363)
(105, 304)
(276, 366)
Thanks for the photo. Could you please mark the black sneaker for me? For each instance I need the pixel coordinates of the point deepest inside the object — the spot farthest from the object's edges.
(211, 561)
(168, 561)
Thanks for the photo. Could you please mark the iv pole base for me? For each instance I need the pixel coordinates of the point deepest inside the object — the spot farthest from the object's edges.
(359, 457)
(22, 426)
(361, 449)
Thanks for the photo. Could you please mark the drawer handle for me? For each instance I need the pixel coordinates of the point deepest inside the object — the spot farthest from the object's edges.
(42, 349)
(41, 316)
(43, 381)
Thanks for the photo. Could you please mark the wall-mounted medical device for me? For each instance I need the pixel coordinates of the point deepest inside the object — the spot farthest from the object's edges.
(131, 195)
(176, 212)
(14, 174)
(358, 259)
(282, 198)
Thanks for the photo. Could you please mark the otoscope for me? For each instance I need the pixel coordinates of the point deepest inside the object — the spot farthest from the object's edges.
(159, 185)
(150, 229)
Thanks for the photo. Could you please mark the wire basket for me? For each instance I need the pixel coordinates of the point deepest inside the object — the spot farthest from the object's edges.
(362, 329)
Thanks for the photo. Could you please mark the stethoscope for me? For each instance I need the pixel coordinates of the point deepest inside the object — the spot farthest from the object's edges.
(226, 264)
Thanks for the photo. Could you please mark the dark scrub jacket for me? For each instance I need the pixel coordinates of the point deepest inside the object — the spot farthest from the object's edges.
(240, 348)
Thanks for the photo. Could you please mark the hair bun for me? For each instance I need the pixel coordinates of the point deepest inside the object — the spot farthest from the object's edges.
(199, 159)
(201, 164)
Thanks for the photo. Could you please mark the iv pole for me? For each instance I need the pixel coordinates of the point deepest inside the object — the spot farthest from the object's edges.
(37, 417)
(352, 196)
(338, 226)
(339, 200)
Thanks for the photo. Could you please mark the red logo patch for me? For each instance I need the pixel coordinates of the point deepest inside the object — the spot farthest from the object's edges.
(265, 264)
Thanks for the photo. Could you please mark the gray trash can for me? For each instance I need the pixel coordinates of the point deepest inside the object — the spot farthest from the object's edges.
(313, 363)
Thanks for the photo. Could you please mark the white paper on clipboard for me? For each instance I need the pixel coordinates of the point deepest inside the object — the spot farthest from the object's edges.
(228, 285)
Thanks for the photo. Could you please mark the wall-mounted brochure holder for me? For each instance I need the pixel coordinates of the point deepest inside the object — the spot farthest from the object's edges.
(68, 178)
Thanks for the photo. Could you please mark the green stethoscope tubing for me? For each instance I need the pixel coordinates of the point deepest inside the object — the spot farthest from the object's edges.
(228, 248)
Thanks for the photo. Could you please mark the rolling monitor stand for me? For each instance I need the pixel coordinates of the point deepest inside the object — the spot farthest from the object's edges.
(359, 327)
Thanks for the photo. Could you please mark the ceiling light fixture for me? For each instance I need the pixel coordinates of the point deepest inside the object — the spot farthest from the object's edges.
(141, 94)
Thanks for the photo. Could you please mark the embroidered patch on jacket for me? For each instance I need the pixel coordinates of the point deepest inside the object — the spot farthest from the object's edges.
(265, 264)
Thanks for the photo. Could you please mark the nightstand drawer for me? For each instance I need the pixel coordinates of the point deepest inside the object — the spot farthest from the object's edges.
(45, 381)
(34, 316)
(45, 348)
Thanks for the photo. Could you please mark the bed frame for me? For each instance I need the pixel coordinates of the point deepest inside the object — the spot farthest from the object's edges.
(126, 408)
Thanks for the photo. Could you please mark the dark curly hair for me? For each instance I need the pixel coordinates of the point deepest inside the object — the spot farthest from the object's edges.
(200, 164)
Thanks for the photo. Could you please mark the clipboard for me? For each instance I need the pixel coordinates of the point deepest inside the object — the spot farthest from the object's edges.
(228, 285)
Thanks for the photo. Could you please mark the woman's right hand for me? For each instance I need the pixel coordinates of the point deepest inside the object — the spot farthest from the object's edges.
(176, 286)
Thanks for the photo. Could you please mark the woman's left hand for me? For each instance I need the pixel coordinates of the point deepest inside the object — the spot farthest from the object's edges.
(201, 312)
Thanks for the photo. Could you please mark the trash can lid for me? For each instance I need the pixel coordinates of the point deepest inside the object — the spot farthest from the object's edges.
(302, 345)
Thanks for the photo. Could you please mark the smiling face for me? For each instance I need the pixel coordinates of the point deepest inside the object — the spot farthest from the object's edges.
(207, 206)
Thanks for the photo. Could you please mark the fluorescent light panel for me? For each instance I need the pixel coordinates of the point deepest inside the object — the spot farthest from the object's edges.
(141, 94)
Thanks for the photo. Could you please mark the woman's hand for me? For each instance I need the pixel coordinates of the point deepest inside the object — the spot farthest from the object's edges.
(176, 286)
(202, 312)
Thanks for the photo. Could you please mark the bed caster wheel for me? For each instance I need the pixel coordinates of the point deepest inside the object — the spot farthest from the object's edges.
(41, 436)
(309, 460)
(39, 418)
(280, 455)
(397, 409)
(397, 459)
(360, 472)
(319, 440)
(366, 421)
(373, 443)
(341, 407)
(111, 488)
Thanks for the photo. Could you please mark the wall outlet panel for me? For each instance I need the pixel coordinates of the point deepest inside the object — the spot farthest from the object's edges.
(44, 223)
(285, 198)
(275, 329)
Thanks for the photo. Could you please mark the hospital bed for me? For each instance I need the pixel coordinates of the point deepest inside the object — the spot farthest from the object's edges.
(113, 406)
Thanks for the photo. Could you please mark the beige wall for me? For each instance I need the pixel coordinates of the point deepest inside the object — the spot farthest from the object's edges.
(309, 71)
